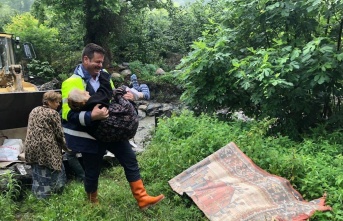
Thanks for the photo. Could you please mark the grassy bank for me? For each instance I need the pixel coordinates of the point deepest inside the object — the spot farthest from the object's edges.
(313, 166)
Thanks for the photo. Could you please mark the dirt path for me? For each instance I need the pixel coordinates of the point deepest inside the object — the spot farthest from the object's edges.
(143, 135)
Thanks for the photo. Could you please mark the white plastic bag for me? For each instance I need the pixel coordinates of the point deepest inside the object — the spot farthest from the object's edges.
(10, 149)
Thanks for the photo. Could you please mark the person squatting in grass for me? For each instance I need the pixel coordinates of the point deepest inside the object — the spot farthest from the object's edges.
(43, 147)
(86, 77)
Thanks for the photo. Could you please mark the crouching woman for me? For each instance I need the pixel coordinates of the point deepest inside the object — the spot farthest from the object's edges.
(43, 147)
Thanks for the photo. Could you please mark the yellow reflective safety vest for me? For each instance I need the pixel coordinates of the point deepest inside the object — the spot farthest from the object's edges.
(75, 123)
(73, 82)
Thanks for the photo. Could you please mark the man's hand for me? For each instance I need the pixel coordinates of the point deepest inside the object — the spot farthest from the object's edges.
(99, 113)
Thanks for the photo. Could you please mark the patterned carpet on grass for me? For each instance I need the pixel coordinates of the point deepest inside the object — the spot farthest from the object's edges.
(227, 185)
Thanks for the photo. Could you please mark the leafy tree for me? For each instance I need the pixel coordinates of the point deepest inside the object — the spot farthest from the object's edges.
(18, 5)
(44, 39)
(6, 12)
(70, 35)
(154, 35)
(277, 59)
(143, 36)
(188, 22)
(98, 20)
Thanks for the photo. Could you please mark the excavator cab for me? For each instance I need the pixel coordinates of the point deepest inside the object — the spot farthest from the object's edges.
(11, 71)
(2, 57)
(5, 51)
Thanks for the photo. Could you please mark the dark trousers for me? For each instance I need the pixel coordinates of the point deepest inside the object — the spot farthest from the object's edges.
(122, 151)
(92, 165)
(75, 165)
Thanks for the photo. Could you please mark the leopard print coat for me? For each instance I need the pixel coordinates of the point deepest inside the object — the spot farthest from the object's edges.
(44, 139)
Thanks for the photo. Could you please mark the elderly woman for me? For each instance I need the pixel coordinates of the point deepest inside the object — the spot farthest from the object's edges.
(43, 147)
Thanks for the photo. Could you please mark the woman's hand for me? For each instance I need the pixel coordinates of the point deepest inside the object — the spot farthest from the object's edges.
(129, 96)
(99, 113)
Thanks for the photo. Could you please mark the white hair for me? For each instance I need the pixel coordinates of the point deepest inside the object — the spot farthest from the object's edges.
(77, 95)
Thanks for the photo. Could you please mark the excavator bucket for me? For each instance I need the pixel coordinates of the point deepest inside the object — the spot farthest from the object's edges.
(16, 106)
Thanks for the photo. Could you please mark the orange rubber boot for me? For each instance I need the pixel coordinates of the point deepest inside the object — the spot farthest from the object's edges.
(93, 197)
(143, 199)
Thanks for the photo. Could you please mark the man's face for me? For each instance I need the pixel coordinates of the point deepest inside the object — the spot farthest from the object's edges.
(94, 65)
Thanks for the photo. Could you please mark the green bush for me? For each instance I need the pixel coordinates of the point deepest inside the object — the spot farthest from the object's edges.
(144, 71)
(314, 167)
(63, 76)
(41, 70)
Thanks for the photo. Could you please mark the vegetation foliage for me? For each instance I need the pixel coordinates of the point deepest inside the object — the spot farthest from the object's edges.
(314, 167)
(280, 62)
(42, 37)
(264, 57)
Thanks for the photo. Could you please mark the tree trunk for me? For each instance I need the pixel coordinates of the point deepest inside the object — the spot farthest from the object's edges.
(98, 24)
(340, 36)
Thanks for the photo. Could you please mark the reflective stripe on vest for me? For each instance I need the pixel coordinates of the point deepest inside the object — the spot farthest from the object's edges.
(111, 82)
(77, 133)
(82, 118)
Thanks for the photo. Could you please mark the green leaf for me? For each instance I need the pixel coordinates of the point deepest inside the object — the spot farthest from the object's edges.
(200, 44)
(266, 72)
(295, 65)
(246, 85)
(295, 54)
(340, 57)
(306, 57)
(321, 78)
(326, 49)
(235, 63)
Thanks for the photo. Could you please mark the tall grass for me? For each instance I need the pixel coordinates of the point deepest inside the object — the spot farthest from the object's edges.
(313, 166)
(11, 191)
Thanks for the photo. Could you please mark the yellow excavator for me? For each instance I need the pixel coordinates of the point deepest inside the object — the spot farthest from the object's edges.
(17, 96)
(11, 71)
